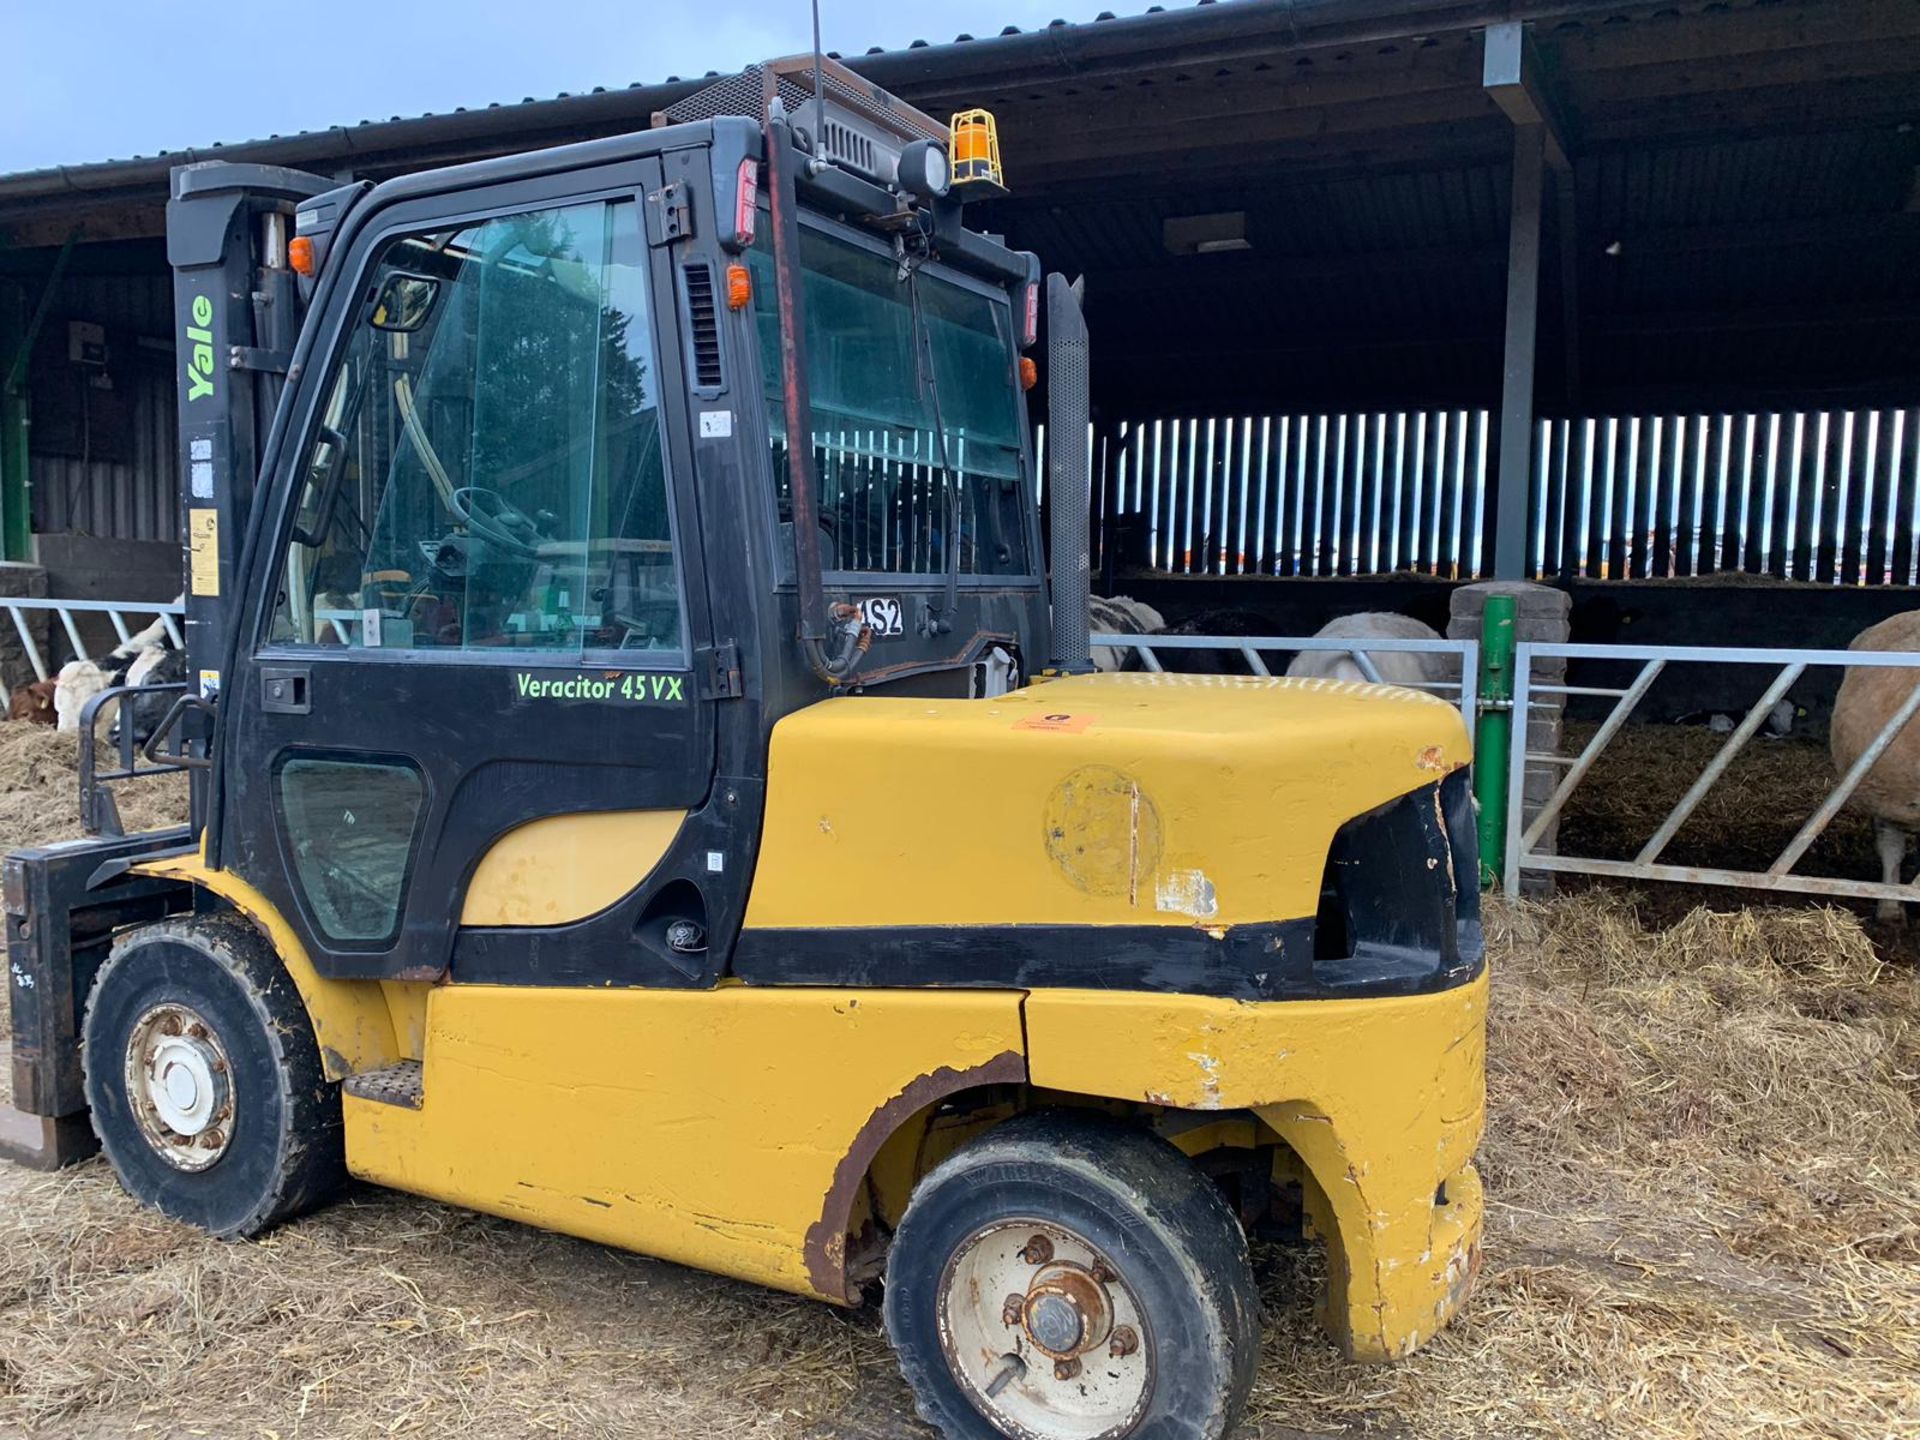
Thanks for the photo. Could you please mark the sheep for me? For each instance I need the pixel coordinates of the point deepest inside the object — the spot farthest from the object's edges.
(1415, 670)
(1118, 615)
(1890, 792)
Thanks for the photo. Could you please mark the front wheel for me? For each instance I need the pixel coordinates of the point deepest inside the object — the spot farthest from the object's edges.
(204, 1079)
(1068, 1278)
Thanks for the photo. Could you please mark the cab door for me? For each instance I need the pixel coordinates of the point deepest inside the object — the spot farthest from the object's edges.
(475, 622)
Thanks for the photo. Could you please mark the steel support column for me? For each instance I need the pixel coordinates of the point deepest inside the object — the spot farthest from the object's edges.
(1512, 75)
(1514, 478)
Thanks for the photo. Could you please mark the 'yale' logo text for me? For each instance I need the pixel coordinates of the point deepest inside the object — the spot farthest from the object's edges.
(200, 352)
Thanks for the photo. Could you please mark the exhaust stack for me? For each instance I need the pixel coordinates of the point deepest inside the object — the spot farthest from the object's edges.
(1069, 409)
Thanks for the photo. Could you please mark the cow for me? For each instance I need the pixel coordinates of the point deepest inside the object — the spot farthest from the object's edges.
(33, 703)
(140, 659)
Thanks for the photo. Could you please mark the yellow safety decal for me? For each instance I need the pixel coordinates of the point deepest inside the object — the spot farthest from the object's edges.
(203, 549)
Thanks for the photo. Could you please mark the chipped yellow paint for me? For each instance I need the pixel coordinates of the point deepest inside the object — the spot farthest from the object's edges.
(566, 867)
(358, 1024)
(1383, 1101)
(1185, 799)
(707, 1127)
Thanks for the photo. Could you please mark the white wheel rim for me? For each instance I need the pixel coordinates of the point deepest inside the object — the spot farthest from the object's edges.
(180, 1086)
(1044, 1335)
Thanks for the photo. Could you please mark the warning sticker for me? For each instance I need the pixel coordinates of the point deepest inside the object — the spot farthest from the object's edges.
(1057, 721)
(203, 550)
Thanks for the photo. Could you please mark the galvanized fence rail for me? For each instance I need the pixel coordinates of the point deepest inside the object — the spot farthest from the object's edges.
(1523, 839)
(117, 612)
(1254, 650)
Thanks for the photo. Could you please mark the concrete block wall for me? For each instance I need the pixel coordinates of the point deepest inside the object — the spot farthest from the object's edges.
(1541, 613)
(28, 581)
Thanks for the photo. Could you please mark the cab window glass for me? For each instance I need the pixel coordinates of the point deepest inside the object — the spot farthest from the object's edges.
(488, 472)
(902, 461)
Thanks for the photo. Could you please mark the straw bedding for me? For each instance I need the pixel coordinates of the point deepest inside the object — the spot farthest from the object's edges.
(1704, 1220)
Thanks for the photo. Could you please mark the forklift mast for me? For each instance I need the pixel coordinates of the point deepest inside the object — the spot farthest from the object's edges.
(238, 306)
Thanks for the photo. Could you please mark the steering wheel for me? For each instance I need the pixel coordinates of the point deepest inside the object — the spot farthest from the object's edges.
(497, 520)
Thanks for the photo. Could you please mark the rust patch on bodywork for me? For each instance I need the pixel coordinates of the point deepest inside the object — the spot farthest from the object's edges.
(825, 1247)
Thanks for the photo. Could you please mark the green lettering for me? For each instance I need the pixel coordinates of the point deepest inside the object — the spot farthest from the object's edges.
(524, 680)
(202, 310)
(198, 385)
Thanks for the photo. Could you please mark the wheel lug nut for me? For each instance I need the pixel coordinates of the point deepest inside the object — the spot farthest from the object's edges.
(1037, 1251)
(1100, 1273)
(1066, 1369)
(1123, 1343)
(1013, 1309)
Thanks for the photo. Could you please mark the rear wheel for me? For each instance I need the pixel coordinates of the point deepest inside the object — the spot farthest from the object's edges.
(204, 1079)
(1066, 1278)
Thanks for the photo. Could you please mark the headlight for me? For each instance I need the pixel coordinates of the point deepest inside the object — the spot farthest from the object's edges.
(923, 169)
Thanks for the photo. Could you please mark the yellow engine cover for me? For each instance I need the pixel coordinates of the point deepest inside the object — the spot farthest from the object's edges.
(1104, 799)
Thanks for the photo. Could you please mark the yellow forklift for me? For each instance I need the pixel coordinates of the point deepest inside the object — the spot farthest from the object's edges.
(642, 788)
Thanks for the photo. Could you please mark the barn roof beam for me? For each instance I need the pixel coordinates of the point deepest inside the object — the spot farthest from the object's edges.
(1513, 75)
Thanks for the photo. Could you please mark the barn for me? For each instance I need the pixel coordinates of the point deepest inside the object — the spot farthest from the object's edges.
(1386, 299)
(1603, 308)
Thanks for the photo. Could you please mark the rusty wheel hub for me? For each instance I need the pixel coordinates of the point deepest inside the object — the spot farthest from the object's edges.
(1066, 1312)
(1045, 1335)
(180, 1086)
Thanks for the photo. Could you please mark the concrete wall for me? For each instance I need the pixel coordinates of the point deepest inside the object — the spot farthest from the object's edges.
(88, 567)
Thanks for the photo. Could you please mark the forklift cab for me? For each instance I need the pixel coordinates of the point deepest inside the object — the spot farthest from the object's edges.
(524, 543)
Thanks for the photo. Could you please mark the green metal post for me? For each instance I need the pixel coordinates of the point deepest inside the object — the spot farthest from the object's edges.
(1493, 733)
(15, 530)
(16, 356)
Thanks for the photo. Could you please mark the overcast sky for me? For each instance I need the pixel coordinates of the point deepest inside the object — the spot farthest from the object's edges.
(84, 80)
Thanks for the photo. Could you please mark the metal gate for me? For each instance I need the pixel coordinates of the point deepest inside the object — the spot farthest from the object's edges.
(1523, 853)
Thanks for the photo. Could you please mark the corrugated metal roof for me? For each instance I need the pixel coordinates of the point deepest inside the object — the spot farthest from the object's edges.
(1202, 34)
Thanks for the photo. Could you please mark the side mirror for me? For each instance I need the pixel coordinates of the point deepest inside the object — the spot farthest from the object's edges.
(405, 303)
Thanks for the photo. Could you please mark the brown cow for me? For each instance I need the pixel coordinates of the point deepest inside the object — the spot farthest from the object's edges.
(33, 703)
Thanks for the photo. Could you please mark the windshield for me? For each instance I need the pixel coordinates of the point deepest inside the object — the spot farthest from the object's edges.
(488, 470)
(883, 478)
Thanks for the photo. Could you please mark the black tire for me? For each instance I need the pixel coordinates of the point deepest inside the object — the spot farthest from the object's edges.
(282, 1151)
(1138, 1202)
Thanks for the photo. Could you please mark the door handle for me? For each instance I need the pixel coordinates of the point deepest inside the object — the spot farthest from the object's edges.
(286, 689)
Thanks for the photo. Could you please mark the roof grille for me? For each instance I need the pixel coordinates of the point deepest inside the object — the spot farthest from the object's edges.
(703, 321)
(792, 78)
(847, 146)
